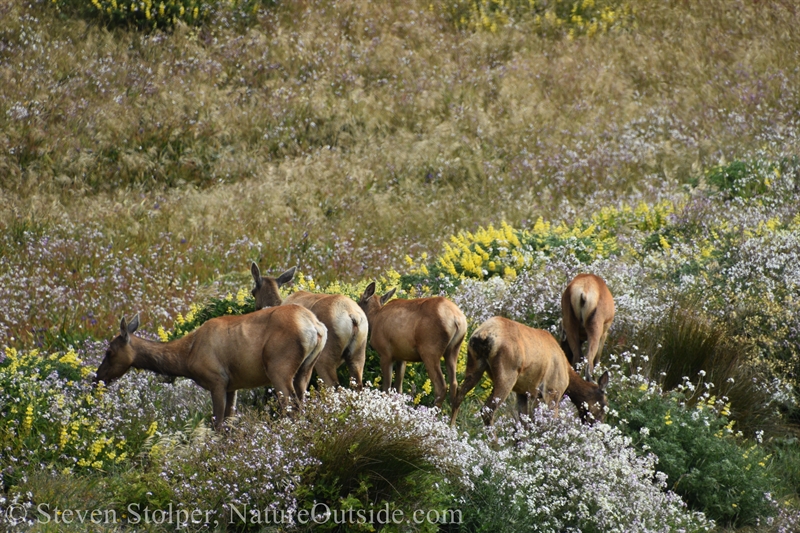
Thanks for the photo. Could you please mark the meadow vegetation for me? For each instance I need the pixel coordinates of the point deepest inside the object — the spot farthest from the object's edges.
(483, 150)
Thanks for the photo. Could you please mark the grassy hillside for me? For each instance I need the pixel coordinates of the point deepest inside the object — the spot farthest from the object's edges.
(480, 149)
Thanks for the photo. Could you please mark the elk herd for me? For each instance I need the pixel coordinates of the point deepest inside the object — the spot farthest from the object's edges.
(284, 341)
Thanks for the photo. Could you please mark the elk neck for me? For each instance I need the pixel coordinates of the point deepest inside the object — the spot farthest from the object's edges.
(579, 390)
(166, 358)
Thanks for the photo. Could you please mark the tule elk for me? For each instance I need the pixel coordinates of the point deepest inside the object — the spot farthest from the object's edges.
(421, 329)
(346, 322)
(587, 309)
(530, 363)
(275, 347)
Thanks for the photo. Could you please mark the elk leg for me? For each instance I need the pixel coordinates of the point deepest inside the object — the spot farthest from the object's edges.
(355, 364)
(594, 332)
(230, 403)
(218, 401)
(326, 371)
(572, 330)
(503, 383)
(298, 384)
(356, 373)
(386, 373)
(399, 374)
(450, 366)
(475, 370)
(434, 369)
(287, 397)
(601, 344)
(522, 405)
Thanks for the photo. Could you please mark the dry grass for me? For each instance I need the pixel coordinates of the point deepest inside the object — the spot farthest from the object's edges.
(345, 135)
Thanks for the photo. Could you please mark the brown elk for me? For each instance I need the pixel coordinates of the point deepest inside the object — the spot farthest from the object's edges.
(346, 322)
(421, 329)
(276, 347)
(587, 309)
(530, 363)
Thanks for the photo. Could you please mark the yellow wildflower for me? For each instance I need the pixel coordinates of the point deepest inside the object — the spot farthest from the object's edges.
(240, 296)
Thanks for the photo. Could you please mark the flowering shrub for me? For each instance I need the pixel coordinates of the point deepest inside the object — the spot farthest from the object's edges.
(54, 418)
(560, 475)
(345, 450)
(690, 432)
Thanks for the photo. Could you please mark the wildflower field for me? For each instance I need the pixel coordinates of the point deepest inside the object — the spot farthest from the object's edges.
(483, 150)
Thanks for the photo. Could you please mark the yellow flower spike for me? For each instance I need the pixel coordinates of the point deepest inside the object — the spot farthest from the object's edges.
(162, 334)
(179, 319)
(427, 386)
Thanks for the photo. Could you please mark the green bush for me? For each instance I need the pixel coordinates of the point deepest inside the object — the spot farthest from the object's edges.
(705, 462)
(741, 178)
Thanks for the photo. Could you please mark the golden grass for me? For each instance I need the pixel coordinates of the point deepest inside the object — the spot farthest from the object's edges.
(384, 123)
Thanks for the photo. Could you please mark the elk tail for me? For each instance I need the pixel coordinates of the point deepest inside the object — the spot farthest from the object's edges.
(312, 356)
(584, 304)
(481, 346)
(358, 326)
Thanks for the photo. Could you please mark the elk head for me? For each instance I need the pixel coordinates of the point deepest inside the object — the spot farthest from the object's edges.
(266, 290)
(120, 354)
(591, 399)
(370, 303)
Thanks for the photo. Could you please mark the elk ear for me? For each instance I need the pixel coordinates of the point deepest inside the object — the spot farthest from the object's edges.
(385, 297)
(286, 277)
(134, 324)
(256, 274)
(368, 292)
(603, 382)
(123, 330)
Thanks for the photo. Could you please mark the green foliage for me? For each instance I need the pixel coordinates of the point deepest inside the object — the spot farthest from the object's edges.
(705, 463)
(504, 251)
(213, 308)
(742, 179)
(368, 463)
(686, 343)
(140, 13)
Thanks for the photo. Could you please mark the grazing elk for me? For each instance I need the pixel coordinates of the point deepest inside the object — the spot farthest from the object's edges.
(530, 363)
(587, 309)
(422, 329)
(275, 347)
(346, 322)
